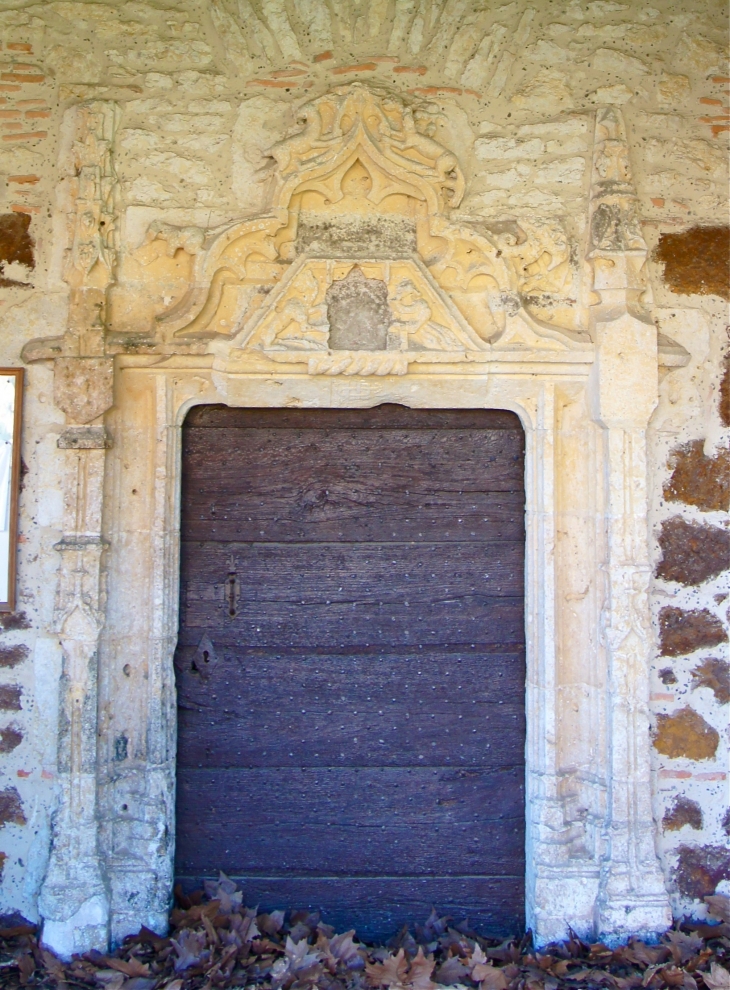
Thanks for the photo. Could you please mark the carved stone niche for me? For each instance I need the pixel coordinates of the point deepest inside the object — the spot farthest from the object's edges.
(358, 288)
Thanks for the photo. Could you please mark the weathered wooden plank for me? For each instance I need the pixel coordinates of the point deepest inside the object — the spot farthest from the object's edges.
(466, 620)
(309, 464)
(348, 851)
(319, 574)
(378, 907)
(383, 417)
(353, 797)
(350, 512)
(486, 735)
(251, 681)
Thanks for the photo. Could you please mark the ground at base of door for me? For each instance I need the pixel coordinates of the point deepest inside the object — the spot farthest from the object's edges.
(217, 942)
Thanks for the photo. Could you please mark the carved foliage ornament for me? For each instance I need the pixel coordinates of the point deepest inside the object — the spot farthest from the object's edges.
(358, 255)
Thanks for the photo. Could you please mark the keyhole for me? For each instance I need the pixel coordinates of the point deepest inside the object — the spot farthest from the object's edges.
(232, 593)
(206, 656)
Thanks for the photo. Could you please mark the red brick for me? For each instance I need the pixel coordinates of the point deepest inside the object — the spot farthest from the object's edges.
(21, 77)
(28, 136)
(360, 67)
(272, 83)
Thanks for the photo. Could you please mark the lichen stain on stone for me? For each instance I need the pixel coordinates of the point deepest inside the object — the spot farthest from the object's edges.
(699, 480)
(713, 673)
(725, 823)
(700, 869)
(692, 553)
(11, 656)
(683, 812)
(667, 676)
(685, 734)
(11, 807)
(16, 247)
(696, 261)
(682, 631)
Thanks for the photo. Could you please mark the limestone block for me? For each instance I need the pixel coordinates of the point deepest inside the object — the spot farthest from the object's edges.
(74, 64)
(174, 167)
(188, 123)
(160, 55)
(497, 147)
(672, 88)
(260, 122)
(562, 171)
(548, 91)
(701, 54)
(616, 95)
(150, 192)
(83, 387)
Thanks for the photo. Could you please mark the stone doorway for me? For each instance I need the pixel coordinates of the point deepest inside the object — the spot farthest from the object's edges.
(351, 662)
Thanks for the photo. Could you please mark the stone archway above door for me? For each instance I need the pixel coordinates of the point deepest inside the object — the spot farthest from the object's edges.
(464, 331)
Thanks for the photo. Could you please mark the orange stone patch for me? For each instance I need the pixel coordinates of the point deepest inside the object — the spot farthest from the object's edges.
(696, 260)
(683, 812)
(699, 480)
(685, 735)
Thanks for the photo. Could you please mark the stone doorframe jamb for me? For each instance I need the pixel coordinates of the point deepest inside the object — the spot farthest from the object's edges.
(591, 862)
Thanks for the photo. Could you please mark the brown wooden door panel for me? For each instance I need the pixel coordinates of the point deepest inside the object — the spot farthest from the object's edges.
(345, 511)
(350, 797)
(473, 620)
(365, 849)
(351, 721)
(367, 493)
(320, 574)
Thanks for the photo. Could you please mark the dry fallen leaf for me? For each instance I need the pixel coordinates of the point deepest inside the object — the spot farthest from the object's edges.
(419, 974)
(191, 950)
(718, 978)
(391, 972)
(493, 979)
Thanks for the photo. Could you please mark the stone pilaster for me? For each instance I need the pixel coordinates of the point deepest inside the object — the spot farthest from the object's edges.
(632, 896)
(74, 899)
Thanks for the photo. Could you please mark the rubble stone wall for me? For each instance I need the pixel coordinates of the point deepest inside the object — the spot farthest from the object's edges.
(201, 91)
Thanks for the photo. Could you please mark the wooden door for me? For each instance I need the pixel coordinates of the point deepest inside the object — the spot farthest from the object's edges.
(350, 667)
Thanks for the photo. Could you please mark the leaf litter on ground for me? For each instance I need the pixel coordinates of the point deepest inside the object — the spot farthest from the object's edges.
(217, 943)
